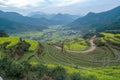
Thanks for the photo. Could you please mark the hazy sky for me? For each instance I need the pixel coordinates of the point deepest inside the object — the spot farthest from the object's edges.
(58, 6)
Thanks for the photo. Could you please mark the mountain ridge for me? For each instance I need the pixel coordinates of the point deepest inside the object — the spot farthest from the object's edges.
(97, 21)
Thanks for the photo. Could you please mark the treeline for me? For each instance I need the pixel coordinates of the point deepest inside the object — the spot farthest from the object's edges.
(3, 33)
(12, 70)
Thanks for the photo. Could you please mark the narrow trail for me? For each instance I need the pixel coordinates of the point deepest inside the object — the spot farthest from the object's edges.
(90, 49)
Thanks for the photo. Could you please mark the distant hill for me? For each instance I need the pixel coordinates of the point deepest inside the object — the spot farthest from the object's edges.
(63, 18)
(14, 27)
(39, 14)
(99, 21)
(13, 16)
(3, 33)
(55, 19)
(14, 22)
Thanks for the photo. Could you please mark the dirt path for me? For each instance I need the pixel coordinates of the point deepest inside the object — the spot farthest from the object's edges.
(90, 49)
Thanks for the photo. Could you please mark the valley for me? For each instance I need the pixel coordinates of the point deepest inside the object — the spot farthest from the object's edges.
(60, 46)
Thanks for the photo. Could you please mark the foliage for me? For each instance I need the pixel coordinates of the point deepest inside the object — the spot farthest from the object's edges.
(33, 44)
(11, 40)
(58, 73)
(75, 76)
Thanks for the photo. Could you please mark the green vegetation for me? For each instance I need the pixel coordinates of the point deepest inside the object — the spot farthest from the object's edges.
(33, 44)
(3, 33)
(14, 40)
(18, 71)
(47, 55)
(50, 63)
(110, 37)
(11, 40)
(1, 54)
(51, 35)
(76, 44)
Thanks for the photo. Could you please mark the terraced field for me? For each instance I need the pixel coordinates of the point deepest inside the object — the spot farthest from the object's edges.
(109, 37)
(33, 44)
(12, 41)
(76, 45)
(77, 62)
(111, 47)
(104, 73)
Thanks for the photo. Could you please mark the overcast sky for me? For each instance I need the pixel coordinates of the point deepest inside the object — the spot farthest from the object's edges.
(58, 6)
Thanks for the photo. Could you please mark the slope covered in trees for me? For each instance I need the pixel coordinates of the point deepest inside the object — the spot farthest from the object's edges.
(99, 21)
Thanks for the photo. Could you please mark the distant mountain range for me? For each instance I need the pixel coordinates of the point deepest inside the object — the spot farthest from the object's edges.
(15, 27)
(55, 19)
(14, 22)
(109, 20)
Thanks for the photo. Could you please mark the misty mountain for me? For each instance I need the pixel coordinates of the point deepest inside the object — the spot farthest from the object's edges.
(39, 14)
(13, 16)
(15, 27)
(63, 18)
(99, 21)
(55, 19)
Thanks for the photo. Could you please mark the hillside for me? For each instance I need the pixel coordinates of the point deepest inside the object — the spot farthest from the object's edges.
(13, 16)
(63, 18)
(15, 27)
(36, 60)
(13, 22)
(3, 33)
(98, 21)
(55, 19)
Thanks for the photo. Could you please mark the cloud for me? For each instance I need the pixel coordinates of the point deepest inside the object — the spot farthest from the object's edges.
(62, 3)
(35, 3)
(69, 2)
(21, 3)
(57, 6)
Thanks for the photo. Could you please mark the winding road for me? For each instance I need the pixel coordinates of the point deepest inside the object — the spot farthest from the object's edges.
(90, 49)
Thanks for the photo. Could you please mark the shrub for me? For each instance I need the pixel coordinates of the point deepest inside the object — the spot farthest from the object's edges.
(42, 70)
(90, 77)
(46, 78)
(75, 76)
(58, 73)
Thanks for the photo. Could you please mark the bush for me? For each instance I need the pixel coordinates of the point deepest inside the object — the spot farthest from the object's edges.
(15, 70)
(75, 76)
(58, 73)
(46, 78)
(42, 70)
(91, 77)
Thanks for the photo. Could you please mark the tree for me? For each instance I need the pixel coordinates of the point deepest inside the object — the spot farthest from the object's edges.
(42, 70)
(58, 73)
(62, 46)
(15, 70)
(40, 48)
(27, 68)
(75, 76)
(19, 49)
